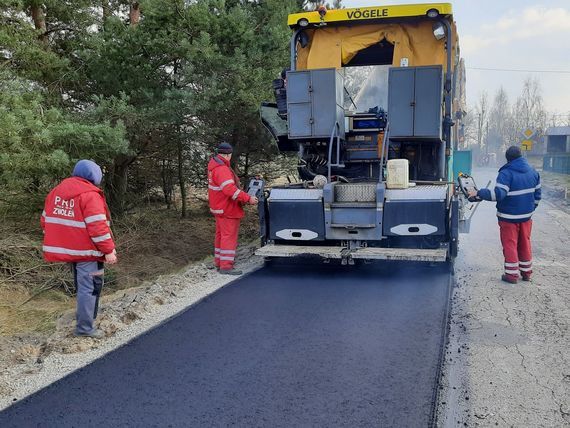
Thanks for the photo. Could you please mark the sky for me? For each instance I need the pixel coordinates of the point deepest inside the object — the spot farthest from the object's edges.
(510, 34)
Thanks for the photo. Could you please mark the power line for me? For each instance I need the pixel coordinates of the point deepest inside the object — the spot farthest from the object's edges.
(519, 70)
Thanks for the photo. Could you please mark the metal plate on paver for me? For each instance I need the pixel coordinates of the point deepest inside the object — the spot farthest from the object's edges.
(355, 192)
(272, 250)
(431, 192)
(436, 255)
(296, 194)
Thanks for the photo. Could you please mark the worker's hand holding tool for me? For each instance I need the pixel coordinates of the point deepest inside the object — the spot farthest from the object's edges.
(111, 258)
(472, 193)
(253, 200)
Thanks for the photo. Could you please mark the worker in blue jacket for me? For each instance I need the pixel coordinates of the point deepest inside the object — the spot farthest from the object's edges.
(517, 193)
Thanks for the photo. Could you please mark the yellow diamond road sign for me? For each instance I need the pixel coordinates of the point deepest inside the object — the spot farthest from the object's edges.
(528, 133)
(526, 145)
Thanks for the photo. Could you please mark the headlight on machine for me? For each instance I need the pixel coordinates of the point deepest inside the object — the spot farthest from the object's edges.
(438, 31)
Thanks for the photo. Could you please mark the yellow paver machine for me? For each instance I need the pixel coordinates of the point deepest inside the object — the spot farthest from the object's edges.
(372, 103)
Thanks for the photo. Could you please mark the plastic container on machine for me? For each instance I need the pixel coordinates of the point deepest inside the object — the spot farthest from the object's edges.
(397, 176)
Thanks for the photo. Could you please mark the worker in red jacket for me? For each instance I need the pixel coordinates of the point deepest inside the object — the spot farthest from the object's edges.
(226, 200)
(76, 229)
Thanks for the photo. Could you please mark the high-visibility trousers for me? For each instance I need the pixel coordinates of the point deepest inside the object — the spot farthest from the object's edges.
(517, 250)
(225, 244)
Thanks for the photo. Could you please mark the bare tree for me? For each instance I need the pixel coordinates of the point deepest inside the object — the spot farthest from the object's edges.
(495, 127)
(470, 128)
(529, 112)
(499, 121)
(559, 119)
(529, 107)
(482, 110)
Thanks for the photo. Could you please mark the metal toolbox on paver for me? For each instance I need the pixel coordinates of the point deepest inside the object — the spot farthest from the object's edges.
(315, 101)
(415, 102)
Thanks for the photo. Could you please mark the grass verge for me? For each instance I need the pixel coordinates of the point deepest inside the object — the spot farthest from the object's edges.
(151, 241)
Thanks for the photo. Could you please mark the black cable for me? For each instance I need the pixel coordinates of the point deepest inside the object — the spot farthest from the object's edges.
(349, 96)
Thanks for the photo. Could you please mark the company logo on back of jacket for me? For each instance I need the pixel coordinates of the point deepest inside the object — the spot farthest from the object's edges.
(64, 207)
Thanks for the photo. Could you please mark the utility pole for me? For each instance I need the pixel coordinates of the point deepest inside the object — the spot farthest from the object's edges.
(480, 120)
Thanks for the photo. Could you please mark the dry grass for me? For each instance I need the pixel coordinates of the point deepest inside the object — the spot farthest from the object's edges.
(37, 316)
(154, 242)
(150, 242)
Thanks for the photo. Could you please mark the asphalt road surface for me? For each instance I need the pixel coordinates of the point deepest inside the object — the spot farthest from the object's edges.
(287, 346)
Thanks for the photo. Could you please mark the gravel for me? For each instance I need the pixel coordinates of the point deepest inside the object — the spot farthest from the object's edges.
(507, 360)
(123, 316)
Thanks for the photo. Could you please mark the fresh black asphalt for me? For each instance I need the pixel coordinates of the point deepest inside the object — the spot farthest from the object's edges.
(289, 345)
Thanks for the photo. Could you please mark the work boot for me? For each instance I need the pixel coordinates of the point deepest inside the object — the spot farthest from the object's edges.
(95, 334)
(231, 271)
(526, 278)
(510, 279)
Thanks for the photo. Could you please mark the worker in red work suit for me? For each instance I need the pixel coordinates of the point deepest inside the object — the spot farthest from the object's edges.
(226, 200)
(76, 229)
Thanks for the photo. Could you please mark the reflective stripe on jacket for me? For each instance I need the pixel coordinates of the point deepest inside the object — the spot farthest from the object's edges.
(75, 221)
(224, 195)
(517, 191)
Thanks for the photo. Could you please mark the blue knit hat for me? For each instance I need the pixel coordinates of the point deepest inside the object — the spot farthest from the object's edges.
(225, 148)
(88, 170)
(513, 153)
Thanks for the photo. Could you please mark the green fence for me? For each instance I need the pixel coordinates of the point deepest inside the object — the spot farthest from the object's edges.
(559, 163)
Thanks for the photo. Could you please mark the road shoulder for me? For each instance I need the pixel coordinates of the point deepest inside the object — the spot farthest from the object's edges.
(507, 360)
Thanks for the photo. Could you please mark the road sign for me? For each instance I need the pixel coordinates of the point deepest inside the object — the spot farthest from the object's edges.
(526, 145)
(528, 139)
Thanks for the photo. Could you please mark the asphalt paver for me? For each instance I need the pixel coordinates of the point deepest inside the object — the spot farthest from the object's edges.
(288, 345)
